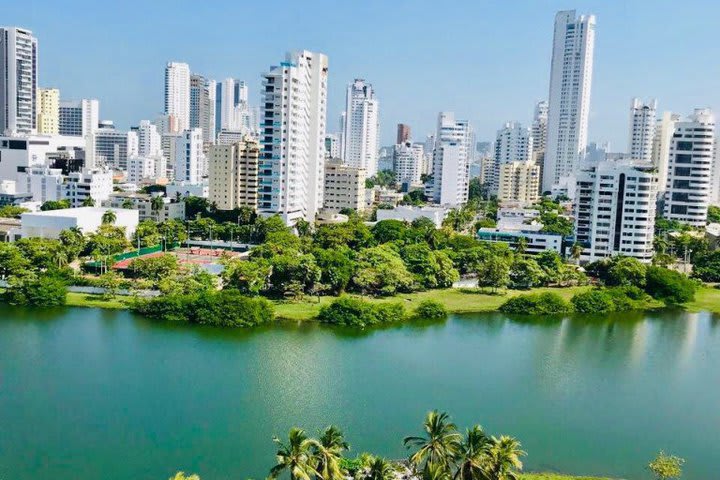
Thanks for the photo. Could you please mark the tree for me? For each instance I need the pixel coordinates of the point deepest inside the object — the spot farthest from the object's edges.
(625, 271)
(109, 217)
(381, 271)
(389, 231)
(476, 190)
(12, 211)
(182, 476)
(471, 455)
(127, 204)
(155, 268)
(666, 467)
(503, 459)
(336, 267)
(295, 456)
(459, 219)
(147, 234)
(525, 273)
(294, 273)
(12, 261)
(55, 205)
(105, 241)
(328, 450)
(248, 277)
(493, 272)
(36, 291)
(575, 252)
(73, 241)
(521, 245)
(88, 202)
(157, 204)
(713, 215)
(440, 444)
(669, 286)
(706, 267)
(378, 469)
(110, 281)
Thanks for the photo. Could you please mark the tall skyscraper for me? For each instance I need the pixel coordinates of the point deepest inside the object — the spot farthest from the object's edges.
(79, 119)
(690, 169)
(664, 130)
(18, 81)
(48, 111)
(202, 106)
(231, 105)
(292, 167)
(177, 94)
(513, 143)
(233, 174)
(539, 127)
(642, 129)
(403, 133)
(569, 100)
(408, 159)
(362, 127)
(451, 161)
(149, 139)
(189, 162)
(615, 210)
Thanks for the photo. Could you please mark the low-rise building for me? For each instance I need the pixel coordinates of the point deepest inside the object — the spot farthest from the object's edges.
(187, 189)
(10, 229)
(409, 213)
(344, 187)
(511, 230)
(143, 203)
(49, 224)
(95, 183)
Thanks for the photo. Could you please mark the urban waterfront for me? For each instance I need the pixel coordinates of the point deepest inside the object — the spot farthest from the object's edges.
(89, 394)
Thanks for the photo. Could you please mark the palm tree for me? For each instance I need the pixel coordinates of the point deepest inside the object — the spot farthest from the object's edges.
(378, 469)
(109, 217)
(295, 456)
(503, 459)
(88, 202)
(157, 204)
(182, 476)
(575, 252)
(472, 455)
(328, 451)
(440, 445)
(127, 204)
(521, 246)
(436, 471)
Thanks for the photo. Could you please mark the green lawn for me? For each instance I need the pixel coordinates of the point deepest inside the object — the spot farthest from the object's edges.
(456, 300)
(91, 300)
(706, 298)
(556, 476)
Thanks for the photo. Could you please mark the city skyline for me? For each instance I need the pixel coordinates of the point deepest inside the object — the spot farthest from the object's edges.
(130, 87)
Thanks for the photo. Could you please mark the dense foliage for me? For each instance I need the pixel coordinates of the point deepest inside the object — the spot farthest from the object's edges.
(430, 310)
(669, 286)
(546, 303)
(226, 308)
(36, 291)
(355, 312)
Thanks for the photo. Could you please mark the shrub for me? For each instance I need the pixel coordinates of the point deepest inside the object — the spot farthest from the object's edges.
(431, 310)
(43, 291)
(625, 271)
(669, 286)
(594, 301)
(547, 303)
(355, 312)
(227, 308)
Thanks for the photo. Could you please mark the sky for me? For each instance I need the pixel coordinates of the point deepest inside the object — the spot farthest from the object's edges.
(487, 61)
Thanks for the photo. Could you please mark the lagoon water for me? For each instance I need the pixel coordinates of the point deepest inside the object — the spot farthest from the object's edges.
(88, 394)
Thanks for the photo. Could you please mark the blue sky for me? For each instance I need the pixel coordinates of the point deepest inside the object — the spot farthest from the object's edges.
(488, 61)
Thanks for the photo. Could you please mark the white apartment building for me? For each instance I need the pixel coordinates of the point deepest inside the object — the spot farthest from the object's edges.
(344, 187)
(233, 174)
(48, 111)
(186, 189)
(231, 100)
(189, 160)
(519, 182)
(615, 210)
(664, 130)
(112, 146)
(51, 223)
(177, 94)
(228, 137)
(146, 169)
(95, 183)
(538, 131)
(17, 153)
(292, 168)
(642, 129)
(362, 127)
(690, 169)
(149, 140)
(143, 203)
(408, 159)
(18, 81)
(332, 145)
(569, 100)
(42, 183)
(451, 161)
(79, 118)
(513, 143)
(202, 106)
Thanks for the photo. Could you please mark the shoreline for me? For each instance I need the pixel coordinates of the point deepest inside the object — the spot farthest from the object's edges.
(455, 300)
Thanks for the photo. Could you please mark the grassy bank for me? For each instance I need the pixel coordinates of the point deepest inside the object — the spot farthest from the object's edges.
(96, 301)
(556, 476)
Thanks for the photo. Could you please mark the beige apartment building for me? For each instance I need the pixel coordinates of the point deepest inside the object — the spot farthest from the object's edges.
(519, 182)
(233, 174)
(344, 187)
(48, 111)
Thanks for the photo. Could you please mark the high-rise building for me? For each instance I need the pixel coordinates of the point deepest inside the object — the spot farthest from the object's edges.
(202, 106)
(332, 145)
(177, 94)
(149, 139)
(112, 147)
(292, 167)
(231, 103)
(189, 161)
(539, 127)
(362, 127)
(78, 119)
(146, 169)
(451, 161)
(233, 174)
(408, 161)
(519, 182)
(615, 210)
(48, 111)
(690, 169)
(18, 81)
(513, 143)
(569, 100)
(642, 129)
(403, 133)
(664, 130)
(344, 187)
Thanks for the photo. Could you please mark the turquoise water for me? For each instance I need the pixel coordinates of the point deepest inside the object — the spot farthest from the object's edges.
(89, 394)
